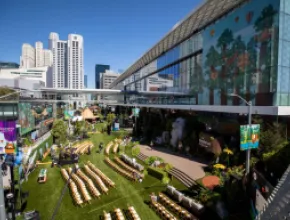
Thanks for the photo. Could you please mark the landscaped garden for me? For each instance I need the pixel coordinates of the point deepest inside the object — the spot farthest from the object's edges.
(45, 197)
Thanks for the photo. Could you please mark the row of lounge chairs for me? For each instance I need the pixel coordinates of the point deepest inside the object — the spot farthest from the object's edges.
(162, 211)
(132, 162)
(81, 186)
(83, 147)
(175, 208)
(115, 148)
(97, 179)
(119, 215)
(105, 179)
(108, 148)
(128, 175)
(94, 191)
(127, 167)
(73, 188)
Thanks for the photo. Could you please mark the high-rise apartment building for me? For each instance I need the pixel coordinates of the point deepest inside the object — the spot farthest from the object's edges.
(100, 68)
(35, 57)
(39, 54)
(59, 61)
(75, 61)
(67, 68)
(27, 58)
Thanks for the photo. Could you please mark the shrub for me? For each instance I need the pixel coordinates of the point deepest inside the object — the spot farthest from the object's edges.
(152, 159)
(168, 167)
(157, 173)
(135, 151)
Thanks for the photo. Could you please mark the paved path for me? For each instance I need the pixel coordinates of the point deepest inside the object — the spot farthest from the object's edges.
(190, 167)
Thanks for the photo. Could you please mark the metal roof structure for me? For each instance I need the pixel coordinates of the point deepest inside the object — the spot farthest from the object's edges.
(278, 204)
(200, 18)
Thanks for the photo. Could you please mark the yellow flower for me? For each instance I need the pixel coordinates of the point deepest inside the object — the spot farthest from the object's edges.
(219, 166)
(228, 151)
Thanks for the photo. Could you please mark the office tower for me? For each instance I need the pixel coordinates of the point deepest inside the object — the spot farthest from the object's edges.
(59, 61)
(39, 54)
(106, 78)
(75, 61)
(100, 68)
(27, 58)
(86, 81)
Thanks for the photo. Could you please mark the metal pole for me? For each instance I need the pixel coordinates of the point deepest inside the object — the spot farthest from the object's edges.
(2, 201)
(13, 190)
(250, 126)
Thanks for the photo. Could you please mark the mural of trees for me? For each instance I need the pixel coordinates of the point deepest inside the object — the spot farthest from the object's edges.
(240, 60)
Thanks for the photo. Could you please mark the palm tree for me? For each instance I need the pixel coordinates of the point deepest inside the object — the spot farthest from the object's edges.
(224, 41)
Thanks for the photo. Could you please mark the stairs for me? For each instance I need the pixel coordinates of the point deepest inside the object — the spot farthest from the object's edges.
(182, 177)
(178, 174)
(142, 157)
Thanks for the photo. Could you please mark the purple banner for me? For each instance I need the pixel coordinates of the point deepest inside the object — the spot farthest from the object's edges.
(8, 137)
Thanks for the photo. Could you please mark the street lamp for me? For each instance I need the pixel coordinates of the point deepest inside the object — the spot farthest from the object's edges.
(249, 103)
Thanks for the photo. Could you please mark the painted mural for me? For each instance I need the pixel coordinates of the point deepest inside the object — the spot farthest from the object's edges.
(240, 56)
(26, 118)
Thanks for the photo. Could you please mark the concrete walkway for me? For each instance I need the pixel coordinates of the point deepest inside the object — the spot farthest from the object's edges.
(192, 168)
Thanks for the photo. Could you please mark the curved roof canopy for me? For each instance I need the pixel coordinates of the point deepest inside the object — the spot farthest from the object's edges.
(207, 13)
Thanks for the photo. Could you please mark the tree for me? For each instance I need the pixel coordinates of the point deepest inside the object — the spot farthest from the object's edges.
(110, 118)
(80, 127)
(59, 131)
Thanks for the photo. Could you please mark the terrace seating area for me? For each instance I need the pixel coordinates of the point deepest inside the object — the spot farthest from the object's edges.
(97, 179)
(127, 167)
(105, 179)
(131, 162)
(128, 175)
(81, 184)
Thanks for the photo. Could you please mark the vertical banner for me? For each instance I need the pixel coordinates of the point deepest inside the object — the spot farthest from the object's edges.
(8, 137)
(249, 136)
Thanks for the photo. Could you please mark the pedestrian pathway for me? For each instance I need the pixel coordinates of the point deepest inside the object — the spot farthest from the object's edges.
(188, 166)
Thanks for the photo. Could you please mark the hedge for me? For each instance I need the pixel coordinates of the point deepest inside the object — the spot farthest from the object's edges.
(157, 173)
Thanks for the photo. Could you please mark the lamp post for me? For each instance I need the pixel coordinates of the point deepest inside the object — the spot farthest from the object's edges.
(249, 103)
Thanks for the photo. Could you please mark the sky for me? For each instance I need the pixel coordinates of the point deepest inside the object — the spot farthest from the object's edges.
(115, 32)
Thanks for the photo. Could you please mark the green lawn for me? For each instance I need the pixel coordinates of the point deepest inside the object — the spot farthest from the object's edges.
(44, 197)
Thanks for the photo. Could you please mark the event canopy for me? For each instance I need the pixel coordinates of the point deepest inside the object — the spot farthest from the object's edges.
(87, 114)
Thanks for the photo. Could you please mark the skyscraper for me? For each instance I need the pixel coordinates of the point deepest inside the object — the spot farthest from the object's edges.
(27, 58)
(75, 61)
(68, 69)
(59, 58)
(86, 81)
(39, 54)
(35, 57)
(100, 68)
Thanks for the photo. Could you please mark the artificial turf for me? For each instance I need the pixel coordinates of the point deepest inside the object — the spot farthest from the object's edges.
(44, 197)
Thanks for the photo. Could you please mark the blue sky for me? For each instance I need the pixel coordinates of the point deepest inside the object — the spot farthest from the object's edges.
(115, 32)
